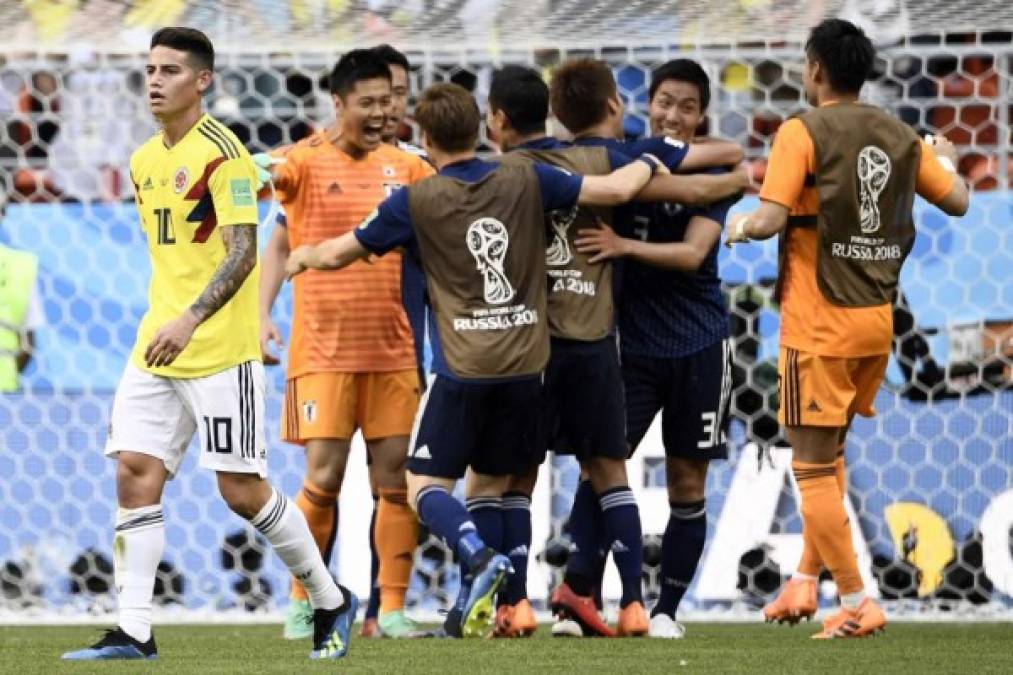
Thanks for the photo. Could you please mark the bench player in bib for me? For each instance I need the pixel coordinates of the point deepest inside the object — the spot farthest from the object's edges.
(583, 401)
(839, 189)
(196, 364)
(478, 230)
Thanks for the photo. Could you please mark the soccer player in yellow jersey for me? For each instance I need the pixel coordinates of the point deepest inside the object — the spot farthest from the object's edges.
(196, 365)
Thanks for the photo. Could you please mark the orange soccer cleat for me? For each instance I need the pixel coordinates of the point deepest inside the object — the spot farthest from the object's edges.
(633, 620)
(868, 619)
(522, 621)
(370, 629)
(796, 601)
(565, 603)
(501, 628)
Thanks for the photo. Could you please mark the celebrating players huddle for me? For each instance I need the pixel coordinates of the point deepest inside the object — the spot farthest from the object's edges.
(567, 291)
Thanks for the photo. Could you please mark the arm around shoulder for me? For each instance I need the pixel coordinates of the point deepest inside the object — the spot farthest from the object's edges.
(618, 187)
(711, 152)
(695, 190)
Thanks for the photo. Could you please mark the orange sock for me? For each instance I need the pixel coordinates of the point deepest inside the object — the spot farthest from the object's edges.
(397, 532)
(320, 509)
(811, 564)
(824, 517)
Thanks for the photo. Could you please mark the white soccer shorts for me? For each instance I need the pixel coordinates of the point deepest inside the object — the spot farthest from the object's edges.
(157, 416)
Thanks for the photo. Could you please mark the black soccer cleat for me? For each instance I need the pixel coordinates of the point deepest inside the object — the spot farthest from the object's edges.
(115, 644)
(332, 628)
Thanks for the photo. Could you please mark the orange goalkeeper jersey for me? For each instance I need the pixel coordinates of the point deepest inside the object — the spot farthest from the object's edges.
(350, 320)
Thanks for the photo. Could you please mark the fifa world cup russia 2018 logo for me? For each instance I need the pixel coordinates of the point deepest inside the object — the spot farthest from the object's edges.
(559, 251)
(873, 173)
(488, 241)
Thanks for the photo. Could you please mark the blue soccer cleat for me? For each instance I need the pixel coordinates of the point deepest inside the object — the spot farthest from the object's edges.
(115, 644)
(332, 628)
(479, 612)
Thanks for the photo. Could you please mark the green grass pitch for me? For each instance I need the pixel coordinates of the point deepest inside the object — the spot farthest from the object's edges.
(923, 649)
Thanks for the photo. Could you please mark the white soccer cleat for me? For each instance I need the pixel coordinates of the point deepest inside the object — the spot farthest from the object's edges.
(664, 626)
(567, 628)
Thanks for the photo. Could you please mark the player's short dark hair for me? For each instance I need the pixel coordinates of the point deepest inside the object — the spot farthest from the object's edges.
(392, 57)
(190, 40)
(523, 96)
(356, 66)
(844, 51)
(448, 114)
(580, 91)
(682, 70)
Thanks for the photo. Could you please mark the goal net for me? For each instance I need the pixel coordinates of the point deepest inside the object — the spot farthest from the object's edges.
(930, 485)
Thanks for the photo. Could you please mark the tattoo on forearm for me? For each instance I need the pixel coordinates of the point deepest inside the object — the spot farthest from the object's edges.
(240, 259)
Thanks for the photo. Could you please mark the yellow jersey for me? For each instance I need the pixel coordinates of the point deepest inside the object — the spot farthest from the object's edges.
(184, 195)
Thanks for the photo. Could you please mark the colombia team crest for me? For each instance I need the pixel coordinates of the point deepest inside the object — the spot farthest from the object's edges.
(180, 180)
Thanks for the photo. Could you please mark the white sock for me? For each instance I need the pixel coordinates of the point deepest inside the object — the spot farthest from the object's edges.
(137, 550)
(283, 524)
(852, 600)
(799, 576)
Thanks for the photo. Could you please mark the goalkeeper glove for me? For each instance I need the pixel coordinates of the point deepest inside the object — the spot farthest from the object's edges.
(263, 163)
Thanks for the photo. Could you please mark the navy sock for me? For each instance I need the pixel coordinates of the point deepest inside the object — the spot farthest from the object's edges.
(373, 606)
(487, 514)
(585, 523)
(599, 574)
(448, 519)
(517, 543)
(681, 549)
(621, 519)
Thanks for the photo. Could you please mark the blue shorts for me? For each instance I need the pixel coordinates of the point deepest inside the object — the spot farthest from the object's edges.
(495, 428)
(583, 400)
(692, 393)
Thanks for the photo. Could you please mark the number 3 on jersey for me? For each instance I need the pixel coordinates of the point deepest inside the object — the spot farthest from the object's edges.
(166, 233)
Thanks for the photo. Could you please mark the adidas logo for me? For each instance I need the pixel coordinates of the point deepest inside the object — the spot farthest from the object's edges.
(334, 188)
(422, 453)
(148, 185)
(518, 551)
(814, 406)
(619, 547)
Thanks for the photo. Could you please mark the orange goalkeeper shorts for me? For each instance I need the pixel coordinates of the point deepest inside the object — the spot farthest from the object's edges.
(335, 405)
(827, 391)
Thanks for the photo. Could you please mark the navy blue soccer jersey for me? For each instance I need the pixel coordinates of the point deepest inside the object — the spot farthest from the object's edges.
(391, 226)
(666, 313)
(671, 153)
